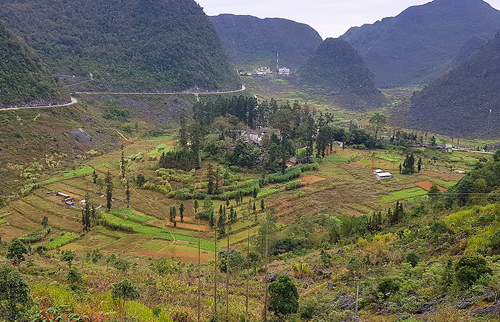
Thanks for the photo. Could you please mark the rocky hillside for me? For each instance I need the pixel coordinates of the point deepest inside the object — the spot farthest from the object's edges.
(337, 69)
(250, 41)
(417, 45)
(136, 45)
(458, 102)
(24, 78)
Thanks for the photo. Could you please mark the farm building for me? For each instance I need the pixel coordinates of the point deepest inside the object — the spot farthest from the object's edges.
(380, 175)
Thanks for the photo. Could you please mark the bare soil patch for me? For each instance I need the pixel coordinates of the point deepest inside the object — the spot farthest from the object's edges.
(452, 176)
(426, 185)
(358, 163)
(184, 225)
(310, 179)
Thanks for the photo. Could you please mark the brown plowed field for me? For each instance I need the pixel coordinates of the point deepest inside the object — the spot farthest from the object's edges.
(310, 179)
(426, 185)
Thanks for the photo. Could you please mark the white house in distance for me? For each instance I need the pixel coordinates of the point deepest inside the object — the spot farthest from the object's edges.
(284, 71)
(380, 175)
(263, 71)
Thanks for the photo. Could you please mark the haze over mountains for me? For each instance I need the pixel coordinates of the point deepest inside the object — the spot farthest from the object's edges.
(458, 102)
(250, 41)
(420, 43)
(24, 77)
(135, 45)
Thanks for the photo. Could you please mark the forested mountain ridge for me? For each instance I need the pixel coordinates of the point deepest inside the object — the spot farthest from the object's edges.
(250, 41)
(126, 45)
(418, 44)
(458, 102)
(337, 69)
(24, 78)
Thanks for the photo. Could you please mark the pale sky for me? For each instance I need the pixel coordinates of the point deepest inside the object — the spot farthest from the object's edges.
(329, 18)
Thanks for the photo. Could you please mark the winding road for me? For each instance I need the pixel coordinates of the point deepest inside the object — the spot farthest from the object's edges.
(74, 101)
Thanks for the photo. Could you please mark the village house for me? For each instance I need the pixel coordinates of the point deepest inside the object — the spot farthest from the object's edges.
(263, 71)
(284, 71)
(256, 136)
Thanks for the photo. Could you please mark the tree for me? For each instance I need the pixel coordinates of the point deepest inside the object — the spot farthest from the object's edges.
(173, 213)
(68, 256)
(122, 164)
(14, 295)
(419, 164)
(470, 268)
(127, 194)
(221, 224)
(140, 180)
(434, 192)
(284, 298)
(100, 184)
(409, 164)
(262, 207)
(109, 190)
(45, 222)
(377, 120)
(86, 214)
(16, 252)
(433, 141)
(124, 290)
(181, 211)
(74, 276)
(412, 257)
(94, 177)
(195, 206)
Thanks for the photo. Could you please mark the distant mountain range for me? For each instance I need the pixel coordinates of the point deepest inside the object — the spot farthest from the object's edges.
(252, 42)
(420, 43)
(131, 45)
(458, 102)
(24, 78)
(337, 69)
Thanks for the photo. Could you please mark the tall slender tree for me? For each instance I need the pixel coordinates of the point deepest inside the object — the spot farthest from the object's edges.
(109, 190)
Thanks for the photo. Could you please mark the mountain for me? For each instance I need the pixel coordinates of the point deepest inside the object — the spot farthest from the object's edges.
(24, 78)
(336, 68)
(251, 42)
(150, 45)
(417, 45)
(458, 102)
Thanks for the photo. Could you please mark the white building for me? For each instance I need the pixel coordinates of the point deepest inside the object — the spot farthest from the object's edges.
(284, 71)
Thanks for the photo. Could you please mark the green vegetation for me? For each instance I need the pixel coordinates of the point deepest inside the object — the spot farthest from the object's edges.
(129, 214)
(175, 59)
(64, 239)
(404, 194)
(78, 172)
(24, 78)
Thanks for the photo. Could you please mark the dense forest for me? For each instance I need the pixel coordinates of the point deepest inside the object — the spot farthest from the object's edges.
(417, 45)
(125, 45)
(24, 78)
(337, 68)
(250, 41)
(459, 102)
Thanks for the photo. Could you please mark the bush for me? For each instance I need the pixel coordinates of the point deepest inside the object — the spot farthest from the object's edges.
(387, 287)
(470, 268)
(293, 185)
(412, 257)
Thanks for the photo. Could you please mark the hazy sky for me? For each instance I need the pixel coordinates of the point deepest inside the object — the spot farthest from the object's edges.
(329, 18)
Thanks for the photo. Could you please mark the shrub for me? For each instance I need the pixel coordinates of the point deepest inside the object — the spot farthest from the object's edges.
(387, 287)
(412, 257)
(470, 268)
(293, 185)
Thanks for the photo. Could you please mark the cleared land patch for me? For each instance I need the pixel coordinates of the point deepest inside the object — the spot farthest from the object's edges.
(407, 194)
(310, 179)
(427, 186)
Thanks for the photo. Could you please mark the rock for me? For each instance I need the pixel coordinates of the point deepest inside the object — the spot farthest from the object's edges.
(428, 308)
(340, 253)
(271, 277)
(327, 275)
(345, 302)
(493, 309)
(331, 285)
(463, 304)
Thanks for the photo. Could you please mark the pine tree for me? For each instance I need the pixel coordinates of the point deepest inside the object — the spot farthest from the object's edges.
(221, 225)
(173, 213)
(211, 222)
(254, 208)
(195, 206)
(86, 214)
(181, 211)
(109, 190)
(127, 194)
(94, 177)
(122, 164)
(262, 207)
(419, 164)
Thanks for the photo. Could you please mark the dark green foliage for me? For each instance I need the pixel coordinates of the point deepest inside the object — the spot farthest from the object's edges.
(16, 251)
(409, 164)
(250, 41)
(68, 256)
(325, 258)
(109, 190)
(182, 160)
(124, 290)
(254, 260)
(78, 37)
(245, 109)
(96, 256)
(289, 244)
(14, 295)
(86, 214)
(284, 298)
(337, 68)
(470, 268)
(140, 180)
(35, 236)
(458, 103)
(412, 257)
(74, 276)
(115, 114)
(307, 312)
(181, 211)
(167, 266)
(45, 222)
(388, 287)
(236, 260)
(24, 78)
(173, 213)
(425, 39)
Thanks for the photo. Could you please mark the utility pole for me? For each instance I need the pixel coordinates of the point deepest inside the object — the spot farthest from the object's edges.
(265, 278)
(357, 297)
(199, 272)
(215, 273)
(488, 131)
(227, 267)
(248, 272)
